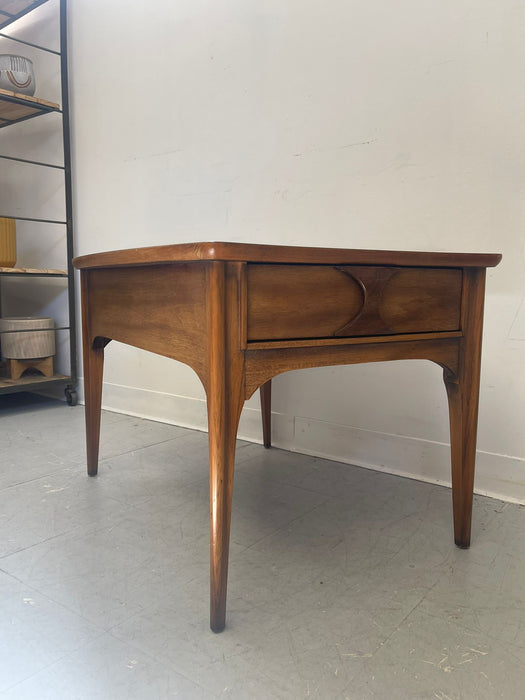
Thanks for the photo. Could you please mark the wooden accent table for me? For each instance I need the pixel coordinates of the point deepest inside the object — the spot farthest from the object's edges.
(240, 314)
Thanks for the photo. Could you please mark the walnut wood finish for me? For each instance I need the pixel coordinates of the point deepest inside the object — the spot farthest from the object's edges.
(225, 395)
(305, 301)
(266, 412)
(255, 252)
(238, 323)
(93, 356)
(161, 309)
(299, 301)
(463, 397)
(262, 365)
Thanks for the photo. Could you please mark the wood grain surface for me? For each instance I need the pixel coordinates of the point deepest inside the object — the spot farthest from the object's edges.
(254, 252)
(241, 314)
(161, 309)
(463, 397)
(302, 301)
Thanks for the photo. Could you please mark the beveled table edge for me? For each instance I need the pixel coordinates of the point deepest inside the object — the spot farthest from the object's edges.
(260, 253)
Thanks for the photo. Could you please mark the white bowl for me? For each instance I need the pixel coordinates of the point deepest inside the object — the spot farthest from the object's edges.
(17, 74)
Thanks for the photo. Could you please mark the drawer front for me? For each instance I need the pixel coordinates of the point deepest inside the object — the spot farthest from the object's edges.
(322, 301)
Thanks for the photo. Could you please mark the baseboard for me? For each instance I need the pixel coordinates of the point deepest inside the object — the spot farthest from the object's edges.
(498, 476)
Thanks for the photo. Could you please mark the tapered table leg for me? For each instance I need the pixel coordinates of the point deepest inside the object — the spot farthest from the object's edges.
(225, 396)
(93, 371)
(266, 411)
(93, 356)
(222, 435)
(463, 399)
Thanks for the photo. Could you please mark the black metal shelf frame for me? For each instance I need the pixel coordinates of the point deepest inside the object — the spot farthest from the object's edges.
(29, 43)
(28, 218)
(32, 162)
(69, 382)
(37, 330)
(7, 18)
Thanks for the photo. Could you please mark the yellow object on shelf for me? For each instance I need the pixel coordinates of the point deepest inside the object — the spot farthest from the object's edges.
(7, 242)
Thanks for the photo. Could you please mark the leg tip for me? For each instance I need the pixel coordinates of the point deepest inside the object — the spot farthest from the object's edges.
(92, 465)
(217, 619)
(462, 545)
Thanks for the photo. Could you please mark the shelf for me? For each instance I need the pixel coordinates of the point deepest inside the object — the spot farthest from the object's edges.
(30, 382)
(15, 107)
(11, 10)
(23, 271)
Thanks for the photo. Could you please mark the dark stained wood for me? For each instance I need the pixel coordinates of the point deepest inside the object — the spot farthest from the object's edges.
(239, 323)
(373, 282)
(266, 411)
(463, 397)
(299, 301)
(406, 300)
(282, 254)
(305, 301)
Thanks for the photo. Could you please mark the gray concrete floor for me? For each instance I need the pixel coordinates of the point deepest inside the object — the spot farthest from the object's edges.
(344, 583)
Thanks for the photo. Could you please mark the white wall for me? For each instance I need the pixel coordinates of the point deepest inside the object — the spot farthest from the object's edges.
(352, 124)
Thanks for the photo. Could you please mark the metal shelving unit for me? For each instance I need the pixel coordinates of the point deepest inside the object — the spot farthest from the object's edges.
(15, 108)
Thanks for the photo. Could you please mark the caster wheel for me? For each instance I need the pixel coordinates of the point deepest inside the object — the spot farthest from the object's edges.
(71, 397)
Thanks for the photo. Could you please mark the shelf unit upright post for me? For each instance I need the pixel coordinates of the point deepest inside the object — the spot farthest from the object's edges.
(14, 108)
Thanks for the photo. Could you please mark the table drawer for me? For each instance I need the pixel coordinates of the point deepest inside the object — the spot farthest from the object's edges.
(323, 301)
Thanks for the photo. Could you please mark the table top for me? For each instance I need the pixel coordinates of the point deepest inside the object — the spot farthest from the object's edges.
(255, 252)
